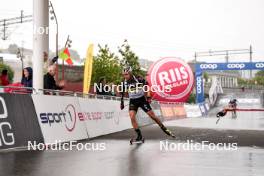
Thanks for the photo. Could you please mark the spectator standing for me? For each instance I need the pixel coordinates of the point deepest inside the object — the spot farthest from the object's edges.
(101, 84)
(27, 77)
(4, 78)
(49, 80)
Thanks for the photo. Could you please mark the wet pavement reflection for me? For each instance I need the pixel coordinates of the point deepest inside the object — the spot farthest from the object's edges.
(120, 158)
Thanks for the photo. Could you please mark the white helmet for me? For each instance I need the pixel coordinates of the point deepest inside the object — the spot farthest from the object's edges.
(127, 70)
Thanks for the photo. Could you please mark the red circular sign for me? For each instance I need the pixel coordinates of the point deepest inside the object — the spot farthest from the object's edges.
(171, 79)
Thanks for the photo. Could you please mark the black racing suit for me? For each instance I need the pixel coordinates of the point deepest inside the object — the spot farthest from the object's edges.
(136, 94)
(135, 89)
(232, 104)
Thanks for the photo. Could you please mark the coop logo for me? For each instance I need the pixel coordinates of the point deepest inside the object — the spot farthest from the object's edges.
(66, 118)
(239, 66)
(259, 65)
(199, 85)
(6, 134)
(208, 66)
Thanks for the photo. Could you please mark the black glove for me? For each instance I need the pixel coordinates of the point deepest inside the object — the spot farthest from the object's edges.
(221, 113)
(54, 60)
(149, 99)
(122, 106)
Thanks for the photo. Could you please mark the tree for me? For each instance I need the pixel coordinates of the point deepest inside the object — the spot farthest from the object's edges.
(242, 81)
(205, 76)
(129, 58)
(12, 48)
(106, 64)
(10, 71)
(191, 98)
(259, 78)
(260, 73)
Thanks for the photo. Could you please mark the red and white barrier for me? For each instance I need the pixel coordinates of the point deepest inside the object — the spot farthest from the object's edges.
(68, 118)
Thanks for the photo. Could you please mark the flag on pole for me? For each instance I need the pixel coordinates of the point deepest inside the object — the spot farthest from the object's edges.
(88, 69)
(65, 55)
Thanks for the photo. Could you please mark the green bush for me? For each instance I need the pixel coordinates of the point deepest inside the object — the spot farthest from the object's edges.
(10, 71)
(191, 99)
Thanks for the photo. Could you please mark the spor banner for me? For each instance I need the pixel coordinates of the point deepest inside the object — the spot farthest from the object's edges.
(167, 111)
(143, 119)
(172, 111)
(18, 121)
(230, 66)
(60, 118)
(199, 68)
(199, 86)
(179, 111)
(193, 110)
(104, 116)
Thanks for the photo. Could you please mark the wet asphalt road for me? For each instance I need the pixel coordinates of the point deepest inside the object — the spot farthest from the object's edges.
(120, 158)
(150, 159)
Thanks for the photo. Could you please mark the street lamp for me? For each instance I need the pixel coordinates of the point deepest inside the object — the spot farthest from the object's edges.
(21, 56)
(67, 45)
(54, 17)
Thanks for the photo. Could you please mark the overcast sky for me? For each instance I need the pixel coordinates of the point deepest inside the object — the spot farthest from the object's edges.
(154, 28)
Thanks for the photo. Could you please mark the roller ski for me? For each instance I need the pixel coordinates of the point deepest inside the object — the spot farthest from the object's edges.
(167, 131)
(139, 140)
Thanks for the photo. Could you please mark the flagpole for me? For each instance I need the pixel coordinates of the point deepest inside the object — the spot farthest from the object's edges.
(67, 44)
(57, 36)
(63, 69)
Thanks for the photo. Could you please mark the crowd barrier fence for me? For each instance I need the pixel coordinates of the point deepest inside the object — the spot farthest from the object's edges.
(75, 116)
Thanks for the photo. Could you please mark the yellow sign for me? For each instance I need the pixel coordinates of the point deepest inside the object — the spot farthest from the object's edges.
(88, 67)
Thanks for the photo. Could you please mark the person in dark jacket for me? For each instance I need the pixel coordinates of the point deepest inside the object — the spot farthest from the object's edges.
(49, 81)
(4, 78)
(27, 77)
(101, 83)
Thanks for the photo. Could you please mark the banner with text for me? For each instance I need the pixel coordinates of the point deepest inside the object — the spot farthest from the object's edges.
(104, 116)
(18, 121)
(60, 118)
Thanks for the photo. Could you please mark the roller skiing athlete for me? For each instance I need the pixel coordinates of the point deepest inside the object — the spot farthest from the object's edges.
(137, 98)
(232, 106)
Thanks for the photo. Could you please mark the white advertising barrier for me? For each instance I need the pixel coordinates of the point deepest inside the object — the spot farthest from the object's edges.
(192, 110)
(60, 118)
(225, 101)
(143, 118)
(207, 106)
(104, 116)
(215, 89)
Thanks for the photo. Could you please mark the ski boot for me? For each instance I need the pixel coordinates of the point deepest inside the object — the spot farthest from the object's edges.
(140, 139)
